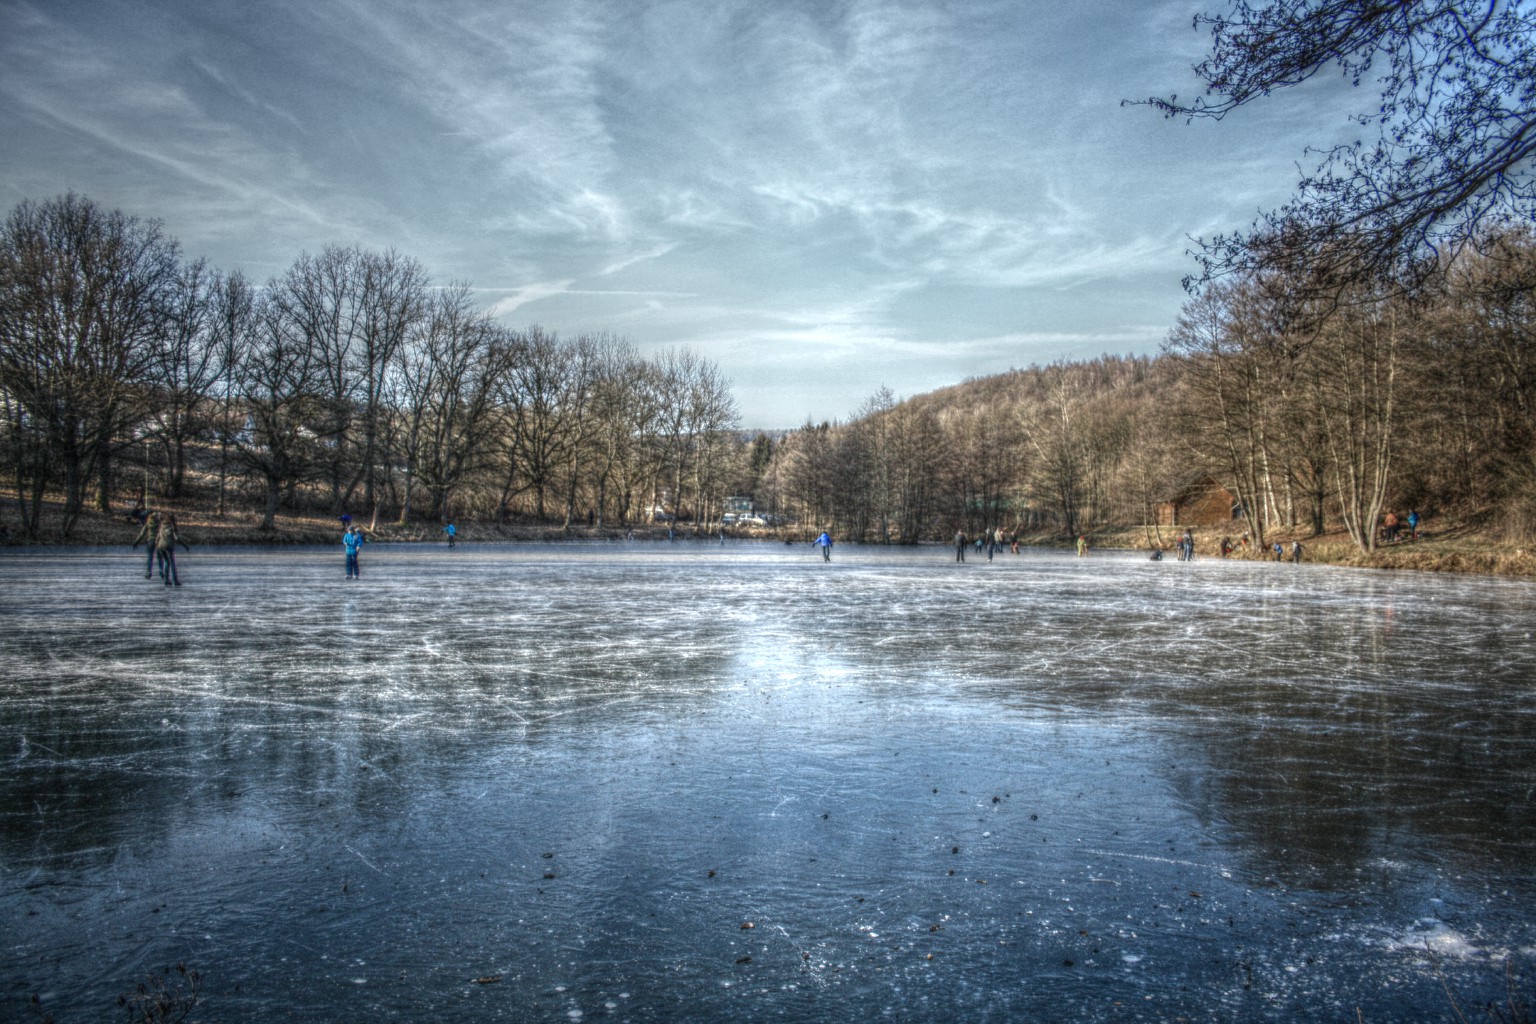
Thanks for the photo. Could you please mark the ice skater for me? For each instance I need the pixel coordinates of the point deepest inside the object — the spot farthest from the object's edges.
(1082, 545)
(166, 539)
(1295, 552)
(452, 533)
(959, 545)
(825, 543)
(352, 541)
(147, 538)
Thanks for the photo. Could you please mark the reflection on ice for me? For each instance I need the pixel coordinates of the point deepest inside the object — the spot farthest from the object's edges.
(1103, 787)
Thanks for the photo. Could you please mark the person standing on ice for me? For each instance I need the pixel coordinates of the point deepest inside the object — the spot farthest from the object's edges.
(451, 532)
(1082, 545)
(825, 543)
(352, 542)
(147, 538)
(166, 539)
(959, 545)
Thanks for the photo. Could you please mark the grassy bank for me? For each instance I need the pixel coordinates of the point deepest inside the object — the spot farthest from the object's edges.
(1445, 547)
(198, 523)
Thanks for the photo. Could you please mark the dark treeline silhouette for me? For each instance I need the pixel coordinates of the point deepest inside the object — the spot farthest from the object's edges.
(348, 382)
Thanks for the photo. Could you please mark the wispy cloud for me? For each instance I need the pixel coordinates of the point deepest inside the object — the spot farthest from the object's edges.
(861, 183)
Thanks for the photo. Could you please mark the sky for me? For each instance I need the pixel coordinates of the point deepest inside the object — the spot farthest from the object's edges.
(824, 198)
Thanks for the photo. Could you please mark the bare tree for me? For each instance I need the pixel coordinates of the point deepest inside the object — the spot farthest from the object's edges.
(356, 308)
(281, 383)
(1355, 374)
(532, 395)
(84, 297)
(1452, 109)
(188, 361)
(622, 411)
(1221, 338)
(232, 324)
(448, 375)
(391, 302)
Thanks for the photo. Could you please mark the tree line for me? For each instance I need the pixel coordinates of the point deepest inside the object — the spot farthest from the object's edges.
(1401, 395)
(349, 381)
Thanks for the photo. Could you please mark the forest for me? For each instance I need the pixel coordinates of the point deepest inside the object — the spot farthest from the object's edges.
(350, 381)
(353, 383)
(1316, 420)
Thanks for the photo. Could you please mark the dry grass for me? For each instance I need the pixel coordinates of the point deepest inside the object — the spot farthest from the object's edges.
(199, 524)
(1449, 547)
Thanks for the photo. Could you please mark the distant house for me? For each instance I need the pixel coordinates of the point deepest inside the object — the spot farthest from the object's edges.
(1201, 501)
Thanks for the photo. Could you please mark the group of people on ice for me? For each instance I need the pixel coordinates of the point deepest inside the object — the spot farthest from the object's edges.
(157, 531)
(1227, 546)
(158, 534)
(989, 541)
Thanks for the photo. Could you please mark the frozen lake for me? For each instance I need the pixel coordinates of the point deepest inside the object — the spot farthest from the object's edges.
(672, 782)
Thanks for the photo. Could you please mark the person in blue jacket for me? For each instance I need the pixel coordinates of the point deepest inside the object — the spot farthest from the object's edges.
(352, 541)
(825, 543)
(451, 532)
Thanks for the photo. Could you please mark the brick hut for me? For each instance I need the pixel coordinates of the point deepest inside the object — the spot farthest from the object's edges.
(1201, 501)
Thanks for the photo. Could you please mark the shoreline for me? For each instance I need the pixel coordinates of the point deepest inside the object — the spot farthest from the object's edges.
(1448, 548)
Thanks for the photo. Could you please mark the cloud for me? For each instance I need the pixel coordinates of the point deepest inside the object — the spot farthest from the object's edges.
(865, 182)
(144, 129)
(528, 294)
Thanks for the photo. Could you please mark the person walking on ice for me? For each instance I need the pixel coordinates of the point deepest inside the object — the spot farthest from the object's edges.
(825, 543)
(146, 537)
(166, 539)
(1082, 545)
(451, 532)
(959, 545)
(352, 542)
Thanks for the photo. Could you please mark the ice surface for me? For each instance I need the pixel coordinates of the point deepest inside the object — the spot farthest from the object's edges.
(1049, 787)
